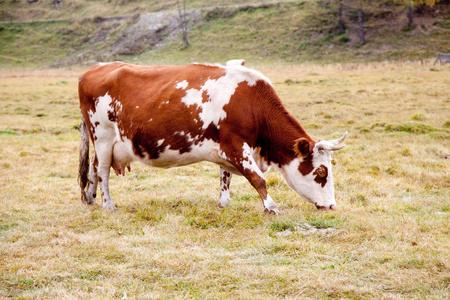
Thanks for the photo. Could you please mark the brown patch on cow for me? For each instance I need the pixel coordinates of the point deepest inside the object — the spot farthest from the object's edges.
(304, 147)
(321, 175)
(211, 133)
(181, 143)
(111, 116)
(306, 166)
(145, 142)
(95, 164)
(226, 181)
(96, 123)
(226, 175)
(100, 179)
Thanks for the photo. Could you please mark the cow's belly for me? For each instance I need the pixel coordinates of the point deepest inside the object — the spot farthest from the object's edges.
(204, 151)
(208, 150)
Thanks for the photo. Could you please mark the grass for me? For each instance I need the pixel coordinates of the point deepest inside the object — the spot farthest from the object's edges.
(169, 238)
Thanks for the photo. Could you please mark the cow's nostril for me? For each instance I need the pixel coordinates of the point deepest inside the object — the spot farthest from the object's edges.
(320, 206)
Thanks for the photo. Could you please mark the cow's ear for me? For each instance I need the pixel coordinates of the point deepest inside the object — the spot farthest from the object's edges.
(302, 147)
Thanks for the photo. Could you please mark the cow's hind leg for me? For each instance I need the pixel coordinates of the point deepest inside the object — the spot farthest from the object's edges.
(91, 192)
(225, 178)
(104, 156)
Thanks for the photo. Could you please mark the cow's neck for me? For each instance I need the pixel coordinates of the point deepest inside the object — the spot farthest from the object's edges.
(281, 130)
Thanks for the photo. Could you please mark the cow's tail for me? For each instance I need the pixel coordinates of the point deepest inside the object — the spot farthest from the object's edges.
(84, 160)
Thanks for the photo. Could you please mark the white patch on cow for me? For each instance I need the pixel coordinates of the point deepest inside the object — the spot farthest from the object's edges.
(119, 107)
(102, 107)
(193, 97)
(160, 142)
(206, 151)
(137, 106)
(191, 139)
(219, 92)
(100, 64)
(270, 205)
(249, 162)
(223, 156)
(224, 198)
(182, 85)
(260, 161)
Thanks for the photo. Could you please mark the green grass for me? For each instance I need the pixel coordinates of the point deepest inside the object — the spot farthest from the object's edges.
(31, 44)
(170, 239)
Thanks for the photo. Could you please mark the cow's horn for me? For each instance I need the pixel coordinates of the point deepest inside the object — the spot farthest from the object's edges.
(327, 146)
(331, 145)
(339, 140)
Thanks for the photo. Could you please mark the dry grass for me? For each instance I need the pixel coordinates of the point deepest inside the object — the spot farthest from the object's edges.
(169, 239)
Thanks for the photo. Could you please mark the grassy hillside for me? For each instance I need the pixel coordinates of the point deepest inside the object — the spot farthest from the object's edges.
(307, 31)
(82, 32)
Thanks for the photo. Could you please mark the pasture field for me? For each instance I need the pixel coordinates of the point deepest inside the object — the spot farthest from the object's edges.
(388, 239)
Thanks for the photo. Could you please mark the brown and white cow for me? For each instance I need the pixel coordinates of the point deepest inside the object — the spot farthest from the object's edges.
(168, 116)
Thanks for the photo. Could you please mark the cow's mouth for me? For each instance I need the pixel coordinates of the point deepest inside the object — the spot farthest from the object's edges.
(322, 207)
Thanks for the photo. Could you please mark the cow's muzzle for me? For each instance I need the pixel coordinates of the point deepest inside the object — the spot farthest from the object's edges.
(323, 207)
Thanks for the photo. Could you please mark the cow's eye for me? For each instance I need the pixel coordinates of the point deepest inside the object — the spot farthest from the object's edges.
(321, 172)
(321, 175)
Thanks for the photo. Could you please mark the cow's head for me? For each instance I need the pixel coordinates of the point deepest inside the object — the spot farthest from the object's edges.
(309, 174)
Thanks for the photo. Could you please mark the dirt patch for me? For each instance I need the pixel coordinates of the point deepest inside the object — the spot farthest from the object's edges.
(147, 31)
(130, 35)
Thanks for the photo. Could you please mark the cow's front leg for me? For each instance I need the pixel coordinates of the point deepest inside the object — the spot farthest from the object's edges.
(225, 178)
(91, 192)
(245, 163)
(104, 156)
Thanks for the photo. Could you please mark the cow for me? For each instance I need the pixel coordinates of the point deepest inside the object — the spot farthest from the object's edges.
(168, 116)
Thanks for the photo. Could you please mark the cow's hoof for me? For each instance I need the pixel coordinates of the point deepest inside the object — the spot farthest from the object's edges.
(273, 211)
(224, 202)
(89, 198)
(83, 197)
(109, 206)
